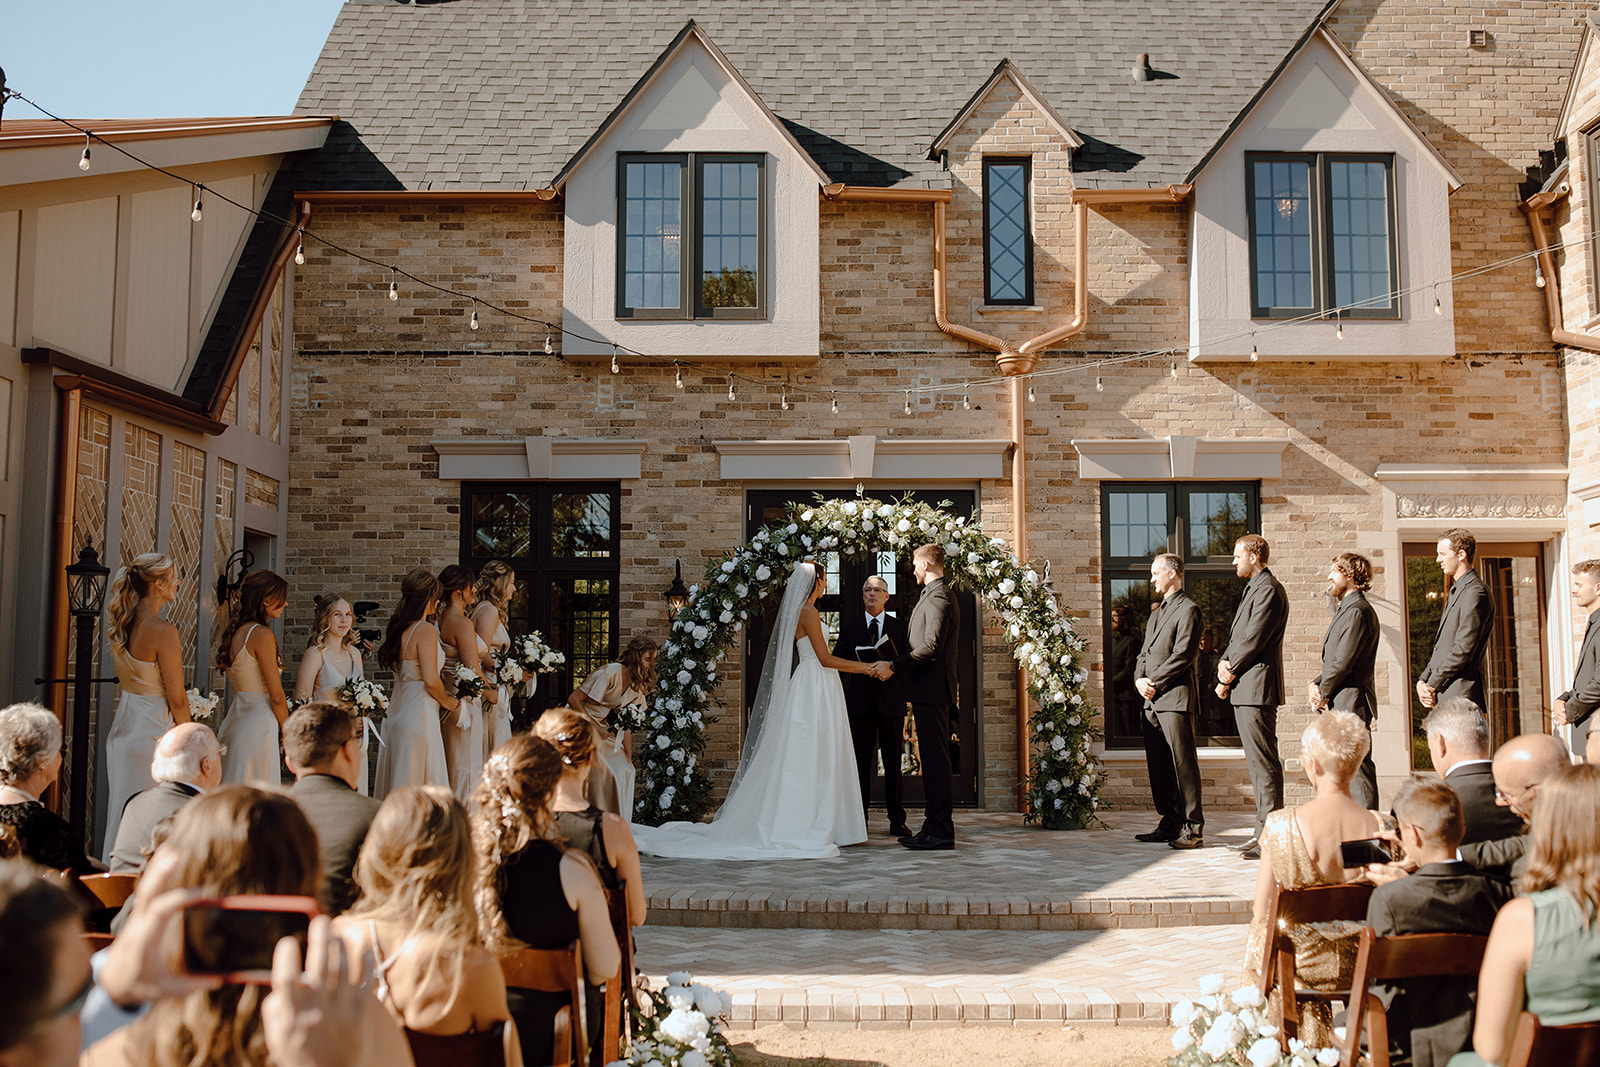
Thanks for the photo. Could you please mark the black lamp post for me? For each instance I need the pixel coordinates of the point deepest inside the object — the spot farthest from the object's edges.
(86, 593)
(676, 595)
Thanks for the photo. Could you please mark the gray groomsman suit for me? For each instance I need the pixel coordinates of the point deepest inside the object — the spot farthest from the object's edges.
(1584, 696)
(1456, 667)
(1347, 683)
(1170, 658)
(1255, 653)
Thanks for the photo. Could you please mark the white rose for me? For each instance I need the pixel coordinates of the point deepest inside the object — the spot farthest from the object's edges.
(1327, 1057)
(866, 524)
(1016, 602)
(727, 566)
(706, 999)
(1246, 997)
(1182, 1039)
(1222, 1037)
(726, 616)
(903, 525)
(850, 508)
(663, 742)
(764, 572)
(1211, 983)
(1007, 586)
(805, 516)
(680, 997)
(885, 510)
(742, 590)
(783, 550)
(1183, 1011)
(693, 1058)
(677, 755)
(684, 1026)
(684, 677)
(700, 633)
(1264, 1053)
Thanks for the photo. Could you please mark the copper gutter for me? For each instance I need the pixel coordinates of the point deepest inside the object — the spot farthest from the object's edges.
(119, 389)
(66, 505)
(874, 195)
(1172, 194)
(420, 197)
(1552, 281)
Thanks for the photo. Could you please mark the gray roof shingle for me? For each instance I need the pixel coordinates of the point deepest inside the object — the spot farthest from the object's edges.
(502, 93)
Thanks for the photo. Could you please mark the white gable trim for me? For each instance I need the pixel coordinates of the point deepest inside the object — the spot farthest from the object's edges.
(1180, 457)
(557, 459)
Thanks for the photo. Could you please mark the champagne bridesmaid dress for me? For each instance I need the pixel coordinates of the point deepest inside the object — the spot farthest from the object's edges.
(329, 679)
(137, 724)
(414, 754)
(463, 745)
(250, 729)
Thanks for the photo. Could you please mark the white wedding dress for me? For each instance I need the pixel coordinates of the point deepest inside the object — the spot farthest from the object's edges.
(796, 794)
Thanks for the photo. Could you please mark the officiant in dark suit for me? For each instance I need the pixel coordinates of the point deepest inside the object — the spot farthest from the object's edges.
(877, 709)
(1349, 661)
(1456, 668)
(1167, 677)
(928, 669)
(1576, 706)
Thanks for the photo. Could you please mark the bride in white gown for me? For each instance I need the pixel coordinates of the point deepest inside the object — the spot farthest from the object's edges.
(796, 794)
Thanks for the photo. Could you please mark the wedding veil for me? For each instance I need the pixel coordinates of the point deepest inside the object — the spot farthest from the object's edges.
(775, 674)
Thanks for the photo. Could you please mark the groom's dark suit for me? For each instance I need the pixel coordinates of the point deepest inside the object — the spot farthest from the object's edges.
(1461, 645)
(1170, 658)
(928, 669)
(877, 709)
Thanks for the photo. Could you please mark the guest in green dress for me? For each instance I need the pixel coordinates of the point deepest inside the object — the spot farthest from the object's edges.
(1544, 950)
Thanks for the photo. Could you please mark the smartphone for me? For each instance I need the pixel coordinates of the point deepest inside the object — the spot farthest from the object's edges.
(234, 937)
(1367, 850)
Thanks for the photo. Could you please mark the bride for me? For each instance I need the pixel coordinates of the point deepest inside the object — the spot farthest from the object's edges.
(795, 795)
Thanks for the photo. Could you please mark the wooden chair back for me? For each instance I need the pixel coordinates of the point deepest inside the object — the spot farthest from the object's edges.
(1537, 1045)
(1296, 907)
(111, 890)
(555, 970)
(1380, 959)
(619, 991)
(95, 942)
(482, 1048)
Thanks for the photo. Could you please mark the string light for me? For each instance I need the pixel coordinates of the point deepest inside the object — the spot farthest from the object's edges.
(731, 394)
(966, 399)
(1254, 355)
(549, 347)
(679, 382)
(1174, 368)
(194, 216)
(908, 401)
(1031, 397)
(1538, 275)
(83, 160)
(835, 403)
(784, 403)
(474, 322)
(300, 250)
(1099, 384)
(616, 366)
(394, 287)
(1338, 330)
(1438, 308)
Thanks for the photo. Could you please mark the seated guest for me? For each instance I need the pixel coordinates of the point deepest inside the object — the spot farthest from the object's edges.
(1520, 766)
(601, 835)
(416, 922)
(1432, 1017)
(235, 840)
(1458, 741)
(323, 748)
(1544, 950)
(1300, 848)
(45, 970)
(188, 762)
(30, 762)
(532, 892)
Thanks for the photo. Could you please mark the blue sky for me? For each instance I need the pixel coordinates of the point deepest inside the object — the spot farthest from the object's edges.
(160, 58)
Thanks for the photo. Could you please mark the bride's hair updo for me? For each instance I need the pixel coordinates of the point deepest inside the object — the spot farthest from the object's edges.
(131, 585)
(644, 678)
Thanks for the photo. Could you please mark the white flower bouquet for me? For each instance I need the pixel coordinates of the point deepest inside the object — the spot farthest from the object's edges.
(364, 697)
(203, 707)
(680, 1025)
(526, 659)
(467, 685)
(296, 703)
(1233, 1029)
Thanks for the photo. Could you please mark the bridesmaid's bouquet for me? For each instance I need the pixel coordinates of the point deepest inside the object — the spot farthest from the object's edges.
(203, 707)
(527, 658)
(296, 703)
(364, 697)
(468, 686)
(628, 717)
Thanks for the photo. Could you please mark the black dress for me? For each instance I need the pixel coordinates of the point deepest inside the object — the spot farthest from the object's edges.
(583, 833)
(45, 837)
(537, 913)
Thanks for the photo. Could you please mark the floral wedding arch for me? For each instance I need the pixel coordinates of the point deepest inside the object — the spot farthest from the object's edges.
(1065, 784)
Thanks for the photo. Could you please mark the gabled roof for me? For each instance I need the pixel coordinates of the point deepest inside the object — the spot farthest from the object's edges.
(504, 94)
(1005, 69)
(690, 32)
(1591, 28)
(1320, 33)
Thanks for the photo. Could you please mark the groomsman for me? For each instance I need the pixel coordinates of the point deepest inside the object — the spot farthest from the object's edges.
(877, 709)
(1349, 660)
(1462, 643)
(1250, 676)
(1576, 706)
(1167, 676)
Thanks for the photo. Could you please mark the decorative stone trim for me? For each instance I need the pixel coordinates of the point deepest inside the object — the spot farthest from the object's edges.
(1590, 496)
(1181, 457)
(1430, 493)
(863, 457)
(566, 459)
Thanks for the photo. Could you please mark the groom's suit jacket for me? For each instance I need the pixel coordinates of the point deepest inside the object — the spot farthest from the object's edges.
(1462, 643)
(1255, 644)
(863, 693)
(1170, 657)
(929, 662)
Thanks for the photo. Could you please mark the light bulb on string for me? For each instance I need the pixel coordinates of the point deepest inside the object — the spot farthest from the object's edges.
(679, 370)
(83, 160)
(474, 321)
(194, 216)
(836, 403)
(394, 287)
(1174, 371)
(1338, 330)
(616, 366)
(1099, 384)
(731, 394)
(908, 401)
(966, 399)
(784, 403)
(1438, 308)
(1538, 276)
(300, 251)
(1254, 355)
(1031, 397)
(549, 345)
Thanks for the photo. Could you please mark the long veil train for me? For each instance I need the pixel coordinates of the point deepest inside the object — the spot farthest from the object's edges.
(795, 794)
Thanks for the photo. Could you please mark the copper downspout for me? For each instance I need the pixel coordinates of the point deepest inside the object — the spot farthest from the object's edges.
(1552, 281)
(66, 505)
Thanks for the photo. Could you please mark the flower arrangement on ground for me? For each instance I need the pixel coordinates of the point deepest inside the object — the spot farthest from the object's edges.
(364, 697)
(526, 658)
(203, 707)
(679, 1025)
(1233, 1029)
(1065, 784)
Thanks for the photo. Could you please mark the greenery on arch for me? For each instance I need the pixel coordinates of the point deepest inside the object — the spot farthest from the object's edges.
(1065, 784)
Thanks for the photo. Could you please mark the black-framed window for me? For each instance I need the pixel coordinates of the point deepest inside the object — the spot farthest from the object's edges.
(715, 202)
(1322, 234)
(1199, 521)
(1007, 231)
(563, 541)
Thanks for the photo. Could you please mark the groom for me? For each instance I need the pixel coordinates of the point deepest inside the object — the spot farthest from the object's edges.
(929, 672)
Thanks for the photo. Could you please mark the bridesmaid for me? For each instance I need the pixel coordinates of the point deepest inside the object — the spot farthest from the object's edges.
(332, 659)
(628, 681)
(411, 649)
(463, 736)
(248, 652)
(496, 586)
(149, 661)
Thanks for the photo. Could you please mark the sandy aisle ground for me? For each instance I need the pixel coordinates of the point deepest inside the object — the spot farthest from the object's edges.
(1097, 1046)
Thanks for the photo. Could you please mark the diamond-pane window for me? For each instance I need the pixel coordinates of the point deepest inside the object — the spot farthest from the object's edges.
(1007, 233)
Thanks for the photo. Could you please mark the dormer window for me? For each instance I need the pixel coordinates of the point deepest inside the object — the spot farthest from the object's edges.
(719, 202)
(1007, 232)
(1321, 234)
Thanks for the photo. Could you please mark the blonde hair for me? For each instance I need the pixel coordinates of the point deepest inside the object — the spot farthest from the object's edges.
(131, 585)
(1565, 847)
(417, 866)
(1339, 741)
(510, 811)
(491, 587)
(569, 733)
(323, 606)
